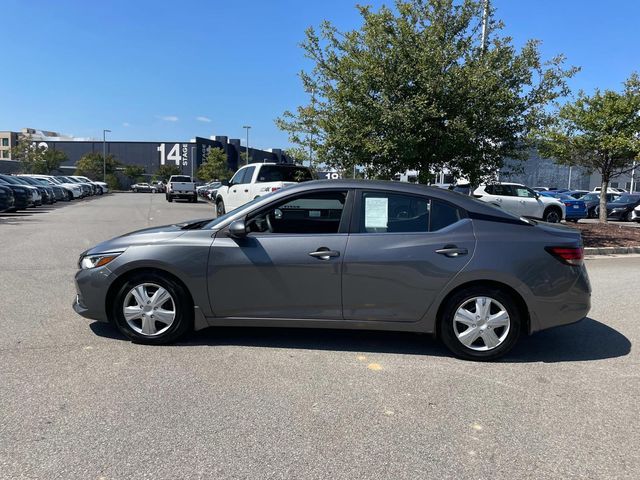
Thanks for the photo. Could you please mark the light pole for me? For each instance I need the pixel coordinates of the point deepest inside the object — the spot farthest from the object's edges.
(570, 171)
(247, 127)
(193, 159)
(104, 154)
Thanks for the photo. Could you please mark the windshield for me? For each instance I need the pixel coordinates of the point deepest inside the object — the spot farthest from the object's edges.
(10, 180)
(590, 196)
(224, 217)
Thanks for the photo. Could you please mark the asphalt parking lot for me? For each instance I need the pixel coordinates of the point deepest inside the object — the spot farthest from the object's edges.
(77, 401)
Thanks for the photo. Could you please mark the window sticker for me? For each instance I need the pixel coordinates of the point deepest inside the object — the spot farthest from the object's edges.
(376, 212)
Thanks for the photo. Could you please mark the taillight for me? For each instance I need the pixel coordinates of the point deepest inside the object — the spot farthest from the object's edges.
(273, 189)
(568, 255)
(567, 204)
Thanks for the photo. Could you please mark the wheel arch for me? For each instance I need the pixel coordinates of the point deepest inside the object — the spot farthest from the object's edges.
(553, 207)
(199, 320)
(517, 297)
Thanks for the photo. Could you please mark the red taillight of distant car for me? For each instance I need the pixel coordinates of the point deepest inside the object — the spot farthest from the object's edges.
(568, 255)
(273, 189)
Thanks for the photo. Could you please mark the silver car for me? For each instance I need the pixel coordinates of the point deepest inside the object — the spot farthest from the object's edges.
(344, 254)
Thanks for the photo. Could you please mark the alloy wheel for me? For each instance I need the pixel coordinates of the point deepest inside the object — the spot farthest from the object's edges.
(481, 323)
(149, 309)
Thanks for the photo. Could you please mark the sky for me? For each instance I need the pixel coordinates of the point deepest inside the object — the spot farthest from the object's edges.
(157, 70)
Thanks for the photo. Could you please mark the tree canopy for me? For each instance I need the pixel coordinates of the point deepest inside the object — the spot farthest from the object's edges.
(92, 166)
(165, 171)
(600, 132)
(36, 159)
(133, 172)
(215, 166)
(413, 88)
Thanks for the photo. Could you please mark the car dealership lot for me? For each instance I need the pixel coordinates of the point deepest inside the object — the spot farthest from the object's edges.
(77, 401)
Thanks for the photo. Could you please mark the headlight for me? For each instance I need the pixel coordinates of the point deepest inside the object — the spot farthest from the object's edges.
(93, 261)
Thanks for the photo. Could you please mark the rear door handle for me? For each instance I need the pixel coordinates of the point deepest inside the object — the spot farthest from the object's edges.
(246, 191)
(452, 251)
(323, 253)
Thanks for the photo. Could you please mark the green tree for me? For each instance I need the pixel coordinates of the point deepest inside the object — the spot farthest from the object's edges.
(165, 171)
(133, 172)
(91, 165)
(215, 166)
(28, 154)
(414, 88)
(50, 161)
(600, 132)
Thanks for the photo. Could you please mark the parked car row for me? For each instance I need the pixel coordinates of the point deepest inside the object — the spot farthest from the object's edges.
(209, 190)
(19, 192)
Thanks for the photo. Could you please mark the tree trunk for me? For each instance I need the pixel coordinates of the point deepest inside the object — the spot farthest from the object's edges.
(604, 186)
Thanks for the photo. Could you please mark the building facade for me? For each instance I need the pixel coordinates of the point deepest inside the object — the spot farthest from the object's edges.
(187, 156)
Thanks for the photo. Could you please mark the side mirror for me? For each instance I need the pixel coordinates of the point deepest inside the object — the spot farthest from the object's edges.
(225, 183)
(536, 194)
(238, 229)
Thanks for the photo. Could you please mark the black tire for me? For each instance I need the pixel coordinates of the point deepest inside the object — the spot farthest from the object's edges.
(220, 210)
(552, 215)
(135, 190)
(628, 217)
(460, 298)
(169, 198)
(153, 190)
(182, 323)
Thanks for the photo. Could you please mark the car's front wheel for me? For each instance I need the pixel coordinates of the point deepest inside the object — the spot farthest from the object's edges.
(480, 323)
(153, 309)
(220, 208)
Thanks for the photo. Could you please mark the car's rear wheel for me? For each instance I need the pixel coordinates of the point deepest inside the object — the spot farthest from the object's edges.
(552, 215)
(153, 309)
(220, 208)
(480, 323)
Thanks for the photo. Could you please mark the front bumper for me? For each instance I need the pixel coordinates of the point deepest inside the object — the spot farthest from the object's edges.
(92, 286)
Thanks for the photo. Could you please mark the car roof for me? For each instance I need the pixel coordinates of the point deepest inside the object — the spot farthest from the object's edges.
(464, 201)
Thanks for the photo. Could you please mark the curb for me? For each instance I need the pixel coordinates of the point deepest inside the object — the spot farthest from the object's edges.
(611, 250)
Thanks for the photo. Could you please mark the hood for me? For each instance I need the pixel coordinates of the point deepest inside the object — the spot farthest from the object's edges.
(147, 236)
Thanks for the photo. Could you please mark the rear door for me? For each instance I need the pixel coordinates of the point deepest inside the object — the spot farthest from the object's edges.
(402, 251)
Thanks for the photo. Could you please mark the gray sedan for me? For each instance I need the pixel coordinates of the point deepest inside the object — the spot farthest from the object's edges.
(344, 254)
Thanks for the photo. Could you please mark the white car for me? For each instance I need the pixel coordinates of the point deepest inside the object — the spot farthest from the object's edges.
(610, 190)
(522, 200)
(103, 186)
(257, 179)
(181, 186)
(635, 214)
(74, 188)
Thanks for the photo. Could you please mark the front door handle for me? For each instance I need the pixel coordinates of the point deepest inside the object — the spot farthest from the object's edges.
(452, 251)
(323, 253)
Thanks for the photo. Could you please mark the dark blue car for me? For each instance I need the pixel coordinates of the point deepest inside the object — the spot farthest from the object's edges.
(575, 209)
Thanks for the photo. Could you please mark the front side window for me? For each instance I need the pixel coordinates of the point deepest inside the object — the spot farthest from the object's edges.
(237, 177)
(311, 213)
(248, 175)
(396, 213)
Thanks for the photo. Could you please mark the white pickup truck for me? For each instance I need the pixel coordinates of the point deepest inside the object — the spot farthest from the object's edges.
(257, 179)
(181, 186)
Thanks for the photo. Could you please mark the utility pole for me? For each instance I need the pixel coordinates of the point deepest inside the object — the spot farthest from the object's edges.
(247, 127)
(570, 171)
(193, 159)
(485, 19)
(633, 177)
(104, 154)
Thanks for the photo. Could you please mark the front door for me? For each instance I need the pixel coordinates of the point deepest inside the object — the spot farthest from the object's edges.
(290, 263)
(405, 250)
(530, 205)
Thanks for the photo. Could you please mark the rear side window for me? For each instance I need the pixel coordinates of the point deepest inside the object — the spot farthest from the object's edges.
(396, 213)
(282, 173)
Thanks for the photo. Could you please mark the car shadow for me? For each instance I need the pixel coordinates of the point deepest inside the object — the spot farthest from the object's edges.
(582, 341)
